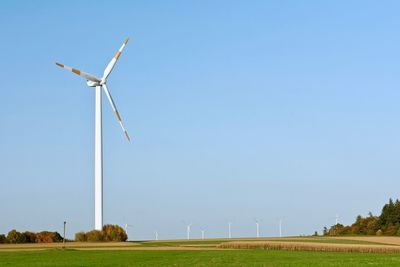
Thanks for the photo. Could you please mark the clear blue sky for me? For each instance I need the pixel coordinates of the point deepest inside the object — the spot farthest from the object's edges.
(238, 110)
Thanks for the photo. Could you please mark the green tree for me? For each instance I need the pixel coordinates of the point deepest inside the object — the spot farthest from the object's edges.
(94, 236)
(15, 237)
(29, 237)
(387, 215)
(3, 239)
(80, 237)
(325, 231)
(114, 233)
(390, 229)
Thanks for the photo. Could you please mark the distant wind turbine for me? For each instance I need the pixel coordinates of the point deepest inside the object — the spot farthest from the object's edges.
(257, 229)
(188, 231)
(229, 230)
(126, 229)
(202, 234)
(156, 235)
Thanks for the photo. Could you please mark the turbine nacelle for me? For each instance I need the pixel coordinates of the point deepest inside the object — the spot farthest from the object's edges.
(96, 83)
(92, 83)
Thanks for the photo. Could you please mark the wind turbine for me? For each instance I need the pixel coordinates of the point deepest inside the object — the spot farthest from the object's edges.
(100, 83)
(126, 228)
(280, 227)
(188, 231)
(229, 230)
(202, 234)
(156, 235)
(257, 229)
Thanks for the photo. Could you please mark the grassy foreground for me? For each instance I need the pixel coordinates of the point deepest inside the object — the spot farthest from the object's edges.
(195, 258)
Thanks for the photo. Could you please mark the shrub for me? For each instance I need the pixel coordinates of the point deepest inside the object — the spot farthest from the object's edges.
(2, 239)
(109, 233)
(29, 237)
(114, 233)
(15, 237)
(80, 237)
(48, 237)
(57, 237)
(94, 236)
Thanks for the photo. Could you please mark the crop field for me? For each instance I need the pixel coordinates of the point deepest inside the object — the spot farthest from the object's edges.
(290, 251)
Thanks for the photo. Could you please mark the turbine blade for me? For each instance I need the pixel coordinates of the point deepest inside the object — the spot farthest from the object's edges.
(114, 107)
(111, 65)
(85, 75)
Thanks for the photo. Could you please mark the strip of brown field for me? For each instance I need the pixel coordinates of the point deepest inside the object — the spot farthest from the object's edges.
(106, 248)
(393, 240)
(150, 248)
(97, 246)
(43, 246)
(275, 245)
(200, 245)
(230, 239)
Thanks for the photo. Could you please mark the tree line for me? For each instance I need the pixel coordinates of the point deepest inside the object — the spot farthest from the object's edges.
(15, 237)
(387, 223)
(109, 233)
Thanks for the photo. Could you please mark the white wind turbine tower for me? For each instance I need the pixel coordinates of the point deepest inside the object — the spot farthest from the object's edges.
(257, 229)
(126, 229)
(99, 83)
(280, 227)
(156, 235)
(188, 231)
(202, 234)
(229, 230)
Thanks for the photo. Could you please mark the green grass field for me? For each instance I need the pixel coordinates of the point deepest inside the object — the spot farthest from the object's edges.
(195, 253)
(195, 258)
